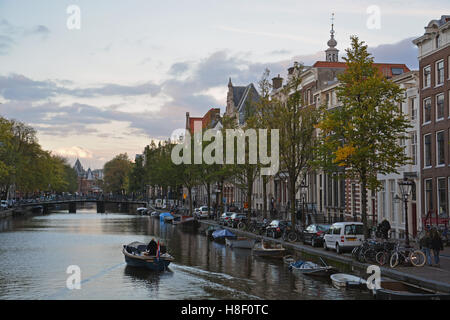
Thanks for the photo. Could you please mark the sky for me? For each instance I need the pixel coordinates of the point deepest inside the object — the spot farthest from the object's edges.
(133, 68)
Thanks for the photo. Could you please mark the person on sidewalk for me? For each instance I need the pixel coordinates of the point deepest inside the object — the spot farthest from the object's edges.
(437, 245)
(425, 245)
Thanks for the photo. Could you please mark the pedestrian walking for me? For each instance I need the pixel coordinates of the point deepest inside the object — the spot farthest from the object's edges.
(437, 245)
(425, 245)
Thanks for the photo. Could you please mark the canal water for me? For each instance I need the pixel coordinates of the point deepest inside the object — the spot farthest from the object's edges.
(35, 253)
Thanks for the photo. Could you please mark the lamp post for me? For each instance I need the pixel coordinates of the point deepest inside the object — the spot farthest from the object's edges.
(303, 189)
(405, 190)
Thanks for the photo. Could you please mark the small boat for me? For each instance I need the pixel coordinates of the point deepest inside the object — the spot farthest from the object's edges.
(221, 234)
(209, 231)
(142, 210)
(165, 217)
(342, 280)
(288, 259)
(268, 249)
(311, 268)
(397, 290)
(154, 214)
(240, 242)
(136, 255)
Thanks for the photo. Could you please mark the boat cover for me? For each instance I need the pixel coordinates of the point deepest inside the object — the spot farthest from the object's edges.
(164, 214)
(222, 233)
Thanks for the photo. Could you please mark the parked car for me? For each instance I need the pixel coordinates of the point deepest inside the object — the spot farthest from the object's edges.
(344, 236)
(236, 218)
(314, 233)
(276, 227)
(202, 212)
(4, 205)
(225, 217)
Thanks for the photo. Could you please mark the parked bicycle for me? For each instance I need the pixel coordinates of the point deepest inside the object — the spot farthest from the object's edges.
(405, 256)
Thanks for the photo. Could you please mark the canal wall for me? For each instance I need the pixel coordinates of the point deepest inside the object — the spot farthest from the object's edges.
(6, 213)
(343, 262)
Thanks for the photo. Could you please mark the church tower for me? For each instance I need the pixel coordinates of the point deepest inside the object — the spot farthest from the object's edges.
(332, 54)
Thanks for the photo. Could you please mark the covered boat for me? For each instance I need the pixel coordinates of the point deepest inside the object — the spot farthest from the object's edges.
(240, 242)
(288, 259)
(209, 231)
(154, 214)
(165, 217)
(221, 234)
(268, 249)
(342, 280)
(136, 255)
(396, 290)
(142, 210)
(183, 220)
(311, 268)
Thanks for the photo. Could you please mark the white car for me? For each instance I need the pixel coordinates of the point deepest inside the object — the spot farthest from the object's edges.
(344, 236)
(4, 204)
(203, 212)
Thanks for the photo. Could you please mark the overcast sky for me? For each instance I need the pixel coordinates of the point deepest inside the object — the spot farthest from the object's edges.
(134, 68)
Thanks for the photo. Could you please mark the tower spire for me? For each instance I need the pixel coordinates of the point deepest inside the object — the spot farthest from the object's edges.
(332, 54)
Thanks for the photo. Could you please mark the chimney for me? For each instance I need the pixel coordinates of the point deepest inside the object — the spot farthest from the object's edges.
(277, 82)
(187, 121)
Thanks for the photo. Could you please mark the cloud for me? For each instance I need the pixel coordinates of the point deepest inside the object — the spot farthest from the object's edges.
(403, 51)
(10, 35)
(74, 152)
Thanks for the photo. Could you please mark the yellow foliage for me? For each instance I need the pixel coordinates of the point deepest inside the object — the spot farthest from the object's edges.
(343, 153)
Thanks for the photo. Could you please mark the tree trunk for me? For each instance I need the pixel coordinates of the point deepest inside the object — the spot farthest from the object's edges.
(249, 198)
(264, 179)
(208, 187)
(191, 213)
(364, 205)
(292, 199)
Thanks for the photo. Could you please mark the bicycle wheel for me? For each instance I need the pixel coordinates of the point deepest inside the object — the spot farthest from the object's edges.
(292, 237)
(417, 258)
(382, 258)
(393, 262)
(241, 225)
(369, 255)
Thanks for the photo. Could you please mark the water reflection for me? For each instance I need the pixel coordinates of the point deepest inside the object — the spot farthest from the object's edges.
(35, 252)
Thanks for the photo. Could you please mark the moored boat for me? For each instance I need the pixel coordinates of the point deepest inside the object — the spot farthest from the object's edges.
(221, 234)
(183, 220)
(397, 290)
(240, 242)
(288, 259)
(210, 230)
(311, 268)
(142, 210)
(136, 255)
(342, 280)
(155, 214)
(165, 217)
(268, 249)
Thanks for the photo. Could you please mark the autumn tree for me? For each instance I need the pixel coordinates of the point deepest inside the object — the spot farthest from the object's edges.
(116, 174)
(362, 134)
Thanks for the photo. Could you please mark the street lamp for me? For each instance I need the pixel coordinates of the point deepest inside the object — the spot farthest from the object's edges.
(303, 190)
(405, 190)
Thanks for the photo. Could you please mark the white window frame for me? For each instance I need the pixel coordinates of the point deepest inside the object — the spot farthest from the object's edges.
(424, 77)
(425, 152)
(425, 194)
(423, 110)
(438, 194)
(413, 147)
(436, 106)
(438, 84)
(437, 151)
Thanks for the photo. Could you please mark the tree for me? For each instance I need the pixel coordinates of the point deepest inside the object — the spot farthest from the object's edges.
(116, 174)
(362, 135)
(296, 124)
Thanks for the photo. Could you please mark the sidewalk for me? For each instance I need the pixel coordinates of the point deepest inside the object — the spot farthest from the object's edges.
(433, 278)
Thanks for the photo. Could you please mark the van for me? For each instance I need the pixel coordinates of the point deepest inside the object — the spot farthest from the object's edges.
(344, 236)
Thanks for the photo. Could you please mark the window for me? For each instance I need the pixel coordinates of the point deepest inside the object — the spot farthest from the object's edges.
(427, 110)
(413, 147)
(354, 229)
(397, 71)
(440, 72)
(442, 197)
(427, 77)
(427, 150)
(412, 109)
(440, 106)
(342, 192)
(428, 195)
(440, 157)
(438, 41)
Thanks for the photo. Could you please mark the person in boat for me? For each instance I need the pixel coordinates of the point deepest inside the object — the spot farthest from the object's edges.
(425, 245)
(437, 245)
(151, 247)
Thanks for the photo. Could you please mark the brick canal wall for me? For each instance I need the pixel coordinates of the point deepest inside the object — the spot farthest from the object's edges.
(345, 263)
